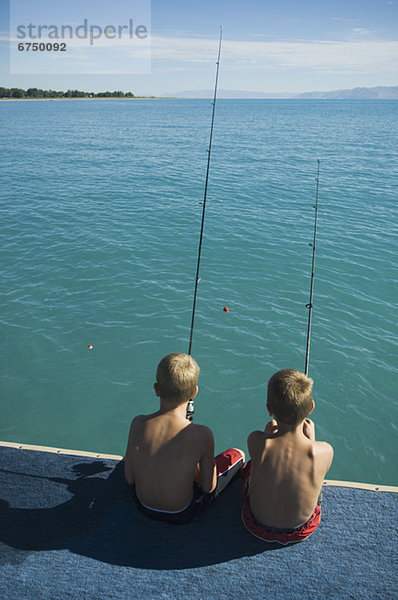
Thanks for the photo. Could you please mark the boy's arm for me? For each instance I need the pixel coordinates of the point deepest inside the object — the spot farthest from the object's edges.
(128, 466)
(206, 473)
(255, 439)
(271, 427)
(309, 429)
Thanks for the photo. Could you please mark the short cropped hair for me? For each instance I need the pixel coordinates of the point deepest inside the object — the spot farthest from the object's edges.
(289, 397)
(177, 377)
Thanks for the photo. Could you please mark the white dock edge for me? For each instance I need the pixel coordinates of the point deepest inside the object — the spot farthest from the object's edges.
(60, 450)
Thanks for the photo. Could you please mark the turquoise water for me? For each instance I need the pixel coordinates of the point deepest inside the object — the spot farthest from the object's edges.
(101, 211)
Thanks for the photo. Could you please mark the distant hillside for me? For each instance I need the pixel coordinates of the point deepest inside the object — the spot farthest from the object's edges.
(376, 93)
(228, 94)
(360, 93)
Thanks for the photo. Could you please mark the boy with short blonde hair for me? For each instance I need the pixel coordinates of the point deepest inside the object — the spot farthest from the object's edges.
(287, 468)
(169, 460)
(289, 396)
(177, 377)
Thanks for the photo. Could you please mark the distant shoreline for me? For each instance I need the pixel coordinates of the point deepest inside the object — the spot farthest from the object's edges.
(294, 98)
(358, 93)
(95, 98)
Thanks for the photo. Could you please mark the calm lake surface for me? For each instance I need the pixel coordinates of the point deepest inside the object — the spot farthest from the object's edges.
(100, 203)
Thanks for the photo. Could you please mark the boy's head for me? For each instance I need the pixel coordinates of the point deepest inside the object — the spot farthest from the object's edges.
(177, 378)
(289, 397)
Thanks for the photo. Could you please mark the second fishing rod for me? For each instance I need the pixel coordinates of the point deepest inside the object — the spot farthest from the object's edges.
(190, 408)
(310, 305)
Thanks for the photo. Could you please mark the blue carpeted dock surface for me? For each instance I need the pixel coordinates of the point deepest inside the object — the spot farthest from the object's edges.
(68, 529)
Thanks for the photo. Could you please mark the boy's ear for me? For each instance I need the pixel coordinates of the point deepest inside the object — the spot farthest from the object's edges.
(312, 407)
(196, 391)
(155, 387)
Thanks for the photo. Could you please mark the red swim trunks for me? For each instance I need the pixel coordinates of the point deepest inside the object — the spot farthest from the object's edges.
(270, 534)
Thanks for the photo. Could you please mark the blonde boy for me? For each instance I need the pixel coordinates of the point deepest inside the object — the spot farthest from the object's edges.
(170, 460)
(288, 466)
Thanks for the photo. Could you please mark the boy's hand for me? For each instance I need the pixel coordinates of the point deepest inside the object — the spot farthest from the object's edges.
(309, 429)
(271, 428)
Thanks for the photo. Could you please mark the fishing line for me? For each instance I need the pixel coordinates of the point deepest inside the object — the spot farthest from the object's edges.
(190, 408)
(309, 305)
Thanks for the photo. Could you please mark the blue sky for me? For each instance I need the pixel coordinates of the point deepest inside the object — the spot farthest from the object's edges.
(269, 46)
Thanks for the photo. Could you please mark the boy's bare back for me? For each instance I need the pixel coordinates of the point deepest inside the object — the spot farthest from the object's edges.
(169, 460)
(163, 453)
(287, 472)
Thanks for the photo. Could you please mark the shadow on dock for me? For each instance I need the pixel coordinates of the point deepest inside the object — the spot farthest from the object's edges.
(91, 513)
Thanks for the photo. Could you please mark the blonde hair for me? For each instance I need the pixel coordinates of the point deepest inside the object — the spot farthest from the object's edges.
(289, 397)
(177, 377)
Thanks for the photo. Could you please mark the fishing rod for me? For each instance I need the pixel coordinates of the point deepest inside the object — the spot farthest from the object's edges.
(309, 305)
(190, 408)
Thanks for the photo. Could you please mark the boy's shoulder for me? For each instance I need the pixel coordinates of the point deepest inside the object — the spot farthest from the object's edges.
(256, 441)
(259, 437)
(197, 436)
(323, 451)
(200, 430)
(138, 424)
(323, 446)
(139, 419)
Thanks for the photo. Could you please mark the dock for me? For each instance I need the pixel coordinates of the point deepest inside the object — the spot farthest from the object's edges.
(70, 530)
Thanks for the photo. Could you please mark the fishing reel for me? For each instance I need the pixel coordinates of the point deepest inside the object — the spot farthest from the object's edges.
(190, 410)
